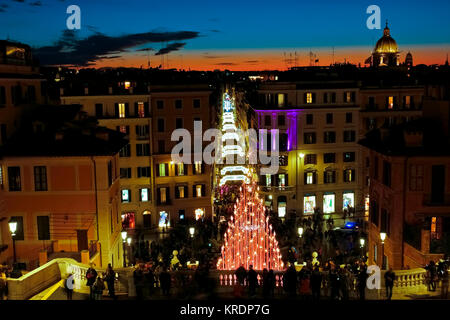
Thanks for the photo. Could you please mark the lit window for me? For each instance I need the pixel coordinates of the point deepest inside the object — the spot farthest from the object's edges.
(268, 180)
(163, 219)
(162, 169)
(1, 176)
(198, 190)
(309, 177)
(390, 102)
(281, 100)
(281, 209)
(125, 195)
(309, 97)
(123, 129)
(180, 169)
(144, 195)
(348, 200)
(141, 110)
(127, 85)
(407, 101)
(199, 214)
(121, 110)
(198, 167)
(366, 206)
(281, 180)
(309, 204)
(181, 192)
(163, 195)
(328, 203)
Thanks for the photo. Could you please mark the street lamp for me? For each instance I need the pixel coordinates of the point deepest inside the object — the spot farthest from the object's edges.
(13, 228)
(361, 242)
(300, 232)
(192, 231)
(129, 241)
(124, 238)
(382, 237)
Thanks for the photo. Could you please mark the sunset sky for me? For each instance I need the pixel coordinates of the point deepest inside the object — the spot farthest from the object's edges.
(234, 35)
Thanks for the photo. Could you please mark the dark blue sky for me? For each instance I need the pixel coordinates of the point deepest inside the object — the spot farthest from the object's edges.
(233, 24)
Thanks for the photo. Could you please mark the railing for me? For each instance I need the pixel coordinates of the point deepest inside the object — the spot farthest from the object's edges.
(276, 189)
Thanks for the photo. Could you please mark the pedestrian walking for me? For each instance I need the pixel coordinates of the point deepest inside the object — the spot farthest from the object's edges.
(68, 285)
(98, 287)
(389, 278)
(252, 281)
(165, 281)
(91, 276)
(110, 278)
(362, 281)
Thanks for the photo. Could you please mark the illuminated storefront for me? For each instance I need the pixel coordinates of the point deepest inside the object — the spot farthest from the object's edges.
(328, 203)
(128, 220)
(164, 219)
(348, 200)
(199, 214)
(309, 203)
(281, 206)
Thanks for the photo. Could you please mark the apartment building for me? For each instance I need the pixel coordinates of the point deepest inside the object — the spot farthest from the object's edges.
(320, 161)
(182, 190)
(59, 183)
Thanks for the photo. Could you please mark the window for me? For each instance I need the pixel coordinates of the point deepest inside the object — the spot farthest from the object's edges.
(198, 167)
(284, 142)
(160, 125)
(349, 96)
(1, 177)
(196, 103)
(416, 178)
(282, 180)
(40, 178)
(125, 173)
(281, 120)
(329, 157)
(325, 97)
(329, 176)
(125, 151)
(178, 104)
(140, 106)
(161, 146)
(3, 135)
(328, 203)
(163, 170)
(329, 118)
(16, 94)
(2, 96)
(309, 118)
(348, 199)
(124, 129)
(163, 195)
(121, 110)
(268, 180)
(199, 213)
(19, 229)
(147, 219)
(349, 136)
(163, 219)
(310, 159)
(267, 121)
(178, 123)
(142, 132)
(310, 97)
(128, 220)
(142, 149)
(309, 204)
(143, 172)
(14, 180)
(408, 102)
(43, 225)
(385, 222)
(160, 104)
(349, 156)
(181, 192)
(373, 212)
(199, 190)
(386, 173)
(110, 173)
(329, 137)
(349, 175)
(390, 102)
(144, 194)
(126, 196)
(310, 138)
(180, 169)
(282, 99)
(99, 110)
(310, 177)
(348, 117)
(375, 168)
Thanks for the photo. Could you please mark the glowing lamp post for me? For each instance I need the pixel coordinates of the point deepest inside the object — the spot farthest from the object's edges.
(362, 241)
(382, 237)
(300, 232)
(124, 238)
(192, 231)
(13, 228)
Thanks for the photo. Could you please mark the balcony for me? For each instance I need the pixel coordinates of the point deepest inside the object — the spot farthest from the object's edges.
(277, 189)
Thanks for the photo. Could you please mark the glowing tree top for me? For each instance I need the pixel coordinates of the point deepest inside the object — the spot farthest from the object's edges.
(250, 239)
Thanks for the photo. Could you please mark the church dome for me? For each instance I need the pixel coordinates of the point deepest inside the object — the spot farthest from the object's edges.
(386, 44)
